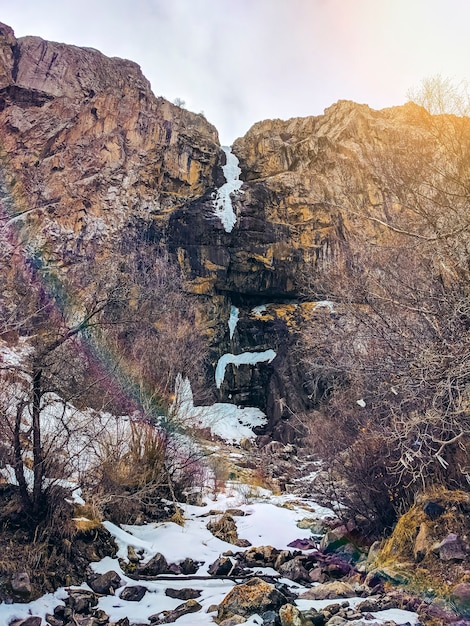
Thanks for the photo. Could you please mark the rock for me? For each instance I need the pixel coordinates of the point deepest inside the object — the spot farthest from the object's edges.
(433, 510)
(157, 565)
(262, 556)
(21, 584)
(221, 567)
(134, 593)
(337, 620)
(28, 621)
(80, 600)
(460, 595)
(334, 539)
(183, 594)
(302, 544)
(168, 617)
(233, 621)
(316, 575)
(423, 543)
(106, 583)
(271, 618)
(132, 556)
(292, 616)
(294, 570)
(188, 566)
(336, 589)
(451, 549)
(53, 621)
(225, 529)
(254, 596)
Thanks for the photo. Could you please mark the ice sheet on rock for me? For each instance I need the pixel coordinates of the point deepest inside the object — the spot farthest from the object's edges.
(246, 358)
(223, 202)
(227, 421)
(233, 319)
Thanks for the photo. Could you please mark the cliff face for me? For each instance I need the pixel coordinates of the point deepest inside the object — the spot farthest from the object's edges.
(87, 147)
(93, 161)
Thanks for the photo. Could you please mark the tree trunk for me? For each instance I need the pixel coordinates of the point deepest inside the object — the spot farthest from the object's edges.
(38, 463)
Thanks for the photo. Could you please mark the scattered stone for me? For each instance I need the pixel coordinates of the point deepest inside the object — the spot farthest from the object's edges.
(451, 549)
(316, 575)
(254, 596)
(53, 621)
(21, 584)
(316, 526)
(134, 593)
(157, 565)
(336, 589)
(183, 594)
(168, 617)
(291, 616)
(106, 583)
(282, 557)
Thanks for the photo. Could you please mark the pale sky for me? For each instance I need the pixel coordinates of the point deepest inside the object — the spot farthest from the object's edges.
(242, 61)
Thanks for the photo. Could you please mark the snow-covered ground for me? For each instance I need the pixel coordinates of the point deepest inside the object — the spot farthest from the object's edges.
(268, 520)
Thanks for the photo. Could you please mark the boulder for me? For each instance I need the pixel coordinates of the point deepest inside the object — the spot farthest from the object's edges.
(183, 594)
(221, 567)
(106, 583)
(294, 570)
(135, 593)
(157, 565)
(225, 529)
(461, 598)
(336, 589)
(290, 615)
(79, 601)
(262, 556)
(188, 566)
(21, 584)
(451, 548)
(254, 596)
(28, 621)
(233, 621)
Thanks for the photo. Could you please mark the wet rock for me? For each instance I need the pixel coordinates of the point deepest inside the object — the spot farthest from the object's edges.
(451, 549)
(254, 596)
(183, 594)
(168, 617)
(106, 583)
(135, 593)
(336, 589)
(21, 584)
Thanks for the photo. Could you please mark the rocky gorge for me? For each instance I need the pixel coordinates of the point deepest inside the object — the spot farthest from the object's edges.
(281, 250)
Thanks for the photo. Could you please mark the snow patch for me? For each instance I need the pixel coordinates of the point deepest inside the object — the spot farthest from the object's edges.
(246, 358)
(224, 420)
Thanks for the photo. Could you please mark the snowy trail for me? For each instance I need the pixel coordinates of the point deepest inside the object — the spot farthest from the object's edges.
(223, 202)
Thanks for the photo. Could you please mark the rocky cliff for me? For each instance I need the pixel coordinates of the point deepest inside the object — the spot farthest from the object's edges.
(92, 161)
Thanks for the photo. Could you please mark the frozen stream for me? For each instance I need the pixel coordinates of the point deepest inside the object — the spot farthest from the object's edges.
(223, 202)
